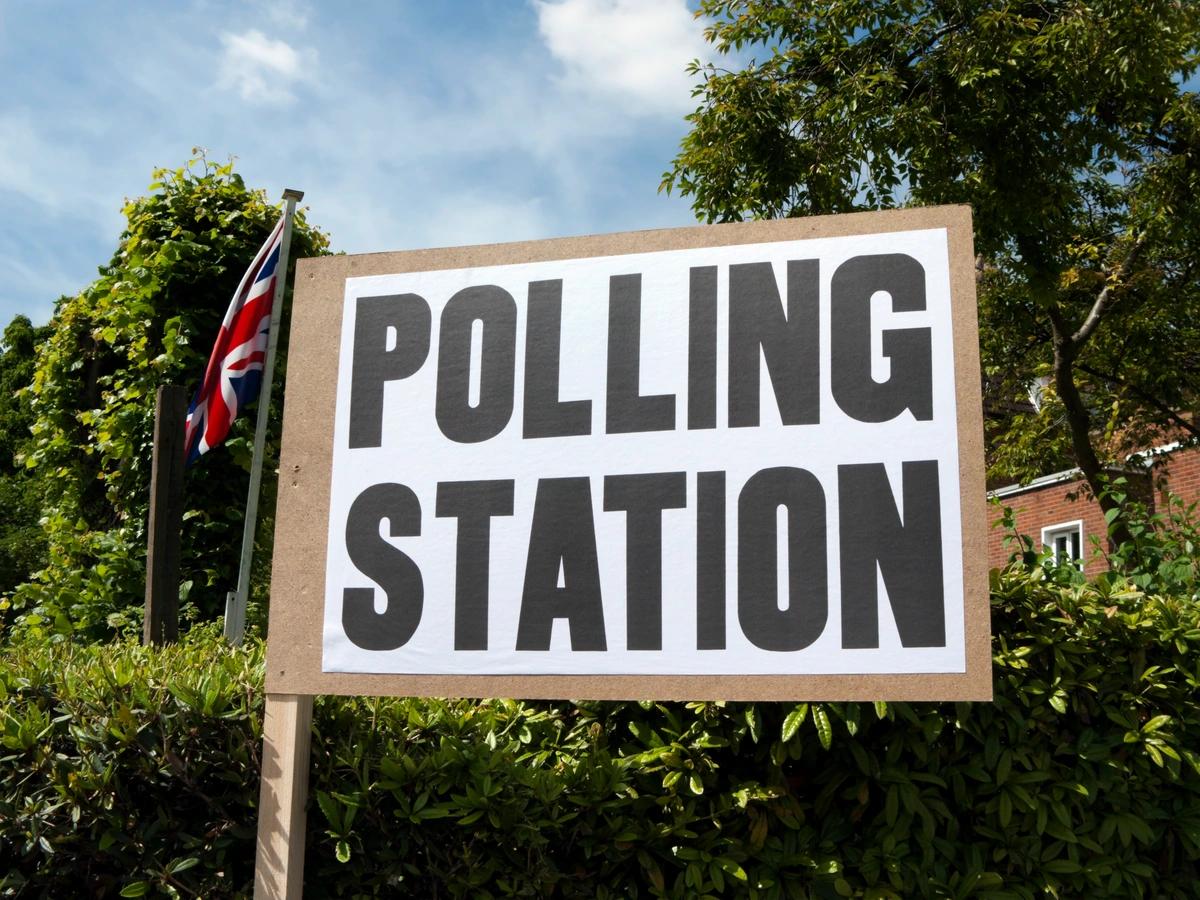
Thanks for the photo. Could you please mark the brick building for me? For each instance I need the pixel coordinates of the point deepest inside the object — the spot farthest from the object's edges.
(1058, 510)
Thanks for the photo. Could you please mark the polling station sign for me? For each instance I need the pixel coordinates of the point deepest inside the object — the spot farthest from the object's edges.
(736, 461)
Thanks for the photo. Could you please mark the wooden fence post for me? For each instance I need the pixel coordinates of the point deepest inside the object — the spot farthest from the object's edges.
(161, 625)
(287, 743)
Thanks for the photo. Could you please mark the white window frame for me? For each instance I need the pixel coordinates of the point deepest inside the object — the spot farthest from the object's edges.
(1051, 532)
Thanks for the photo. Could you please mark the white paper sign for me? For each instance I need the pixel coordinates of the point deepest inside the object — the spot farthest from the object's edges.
(726, 460)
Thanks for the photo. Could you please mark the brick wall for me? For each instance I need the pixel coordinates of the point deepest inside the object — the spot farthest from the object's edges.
(1067, 501)
(1041, 507)
(1180, 474)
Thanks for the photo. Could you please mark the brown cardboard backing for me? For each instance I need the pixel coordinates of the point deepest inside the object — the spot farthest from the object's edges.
(298, 575)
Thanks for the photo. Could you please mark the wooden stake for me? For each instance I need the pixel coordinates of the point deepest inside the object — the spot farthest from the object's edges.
(287, 740)
(161, 624)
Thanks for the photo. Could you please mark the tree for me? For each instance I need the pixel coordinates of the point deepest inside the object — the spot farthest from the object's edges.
(22, 544)
(1065, 125)
(149, 319)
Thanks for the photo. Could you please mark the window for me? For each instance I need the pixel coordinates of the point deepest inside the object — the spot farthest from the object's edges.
(1065, 541)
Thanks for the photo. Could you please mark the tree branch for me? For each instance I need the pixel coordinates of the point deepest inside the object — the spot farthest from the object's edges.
(1144, 397)
(1105, 298)
(1057, 322)
(930, 43)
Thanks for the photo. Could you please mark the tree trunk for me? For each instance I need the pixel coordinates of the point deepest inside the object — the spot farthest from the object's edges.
(1079, 422)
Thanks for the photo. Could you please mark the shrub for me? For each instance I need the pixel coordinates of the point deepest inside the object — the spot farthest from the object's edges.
(22, 543)
(126, 766)
(135, 770)
(148, 320)
(1161, 552)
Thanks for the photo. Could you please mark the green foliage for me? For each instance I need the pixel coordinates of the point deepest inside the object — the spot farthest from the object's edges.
(126, 766)
(149, 319)
(135, 770)
(1161, 554)
(1065, 125)
(1037, 561)
(1163, 549)
(22, 543)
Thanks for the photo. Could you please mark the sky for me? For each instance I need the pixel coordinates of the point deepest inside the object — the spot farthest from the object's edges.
(408, 124)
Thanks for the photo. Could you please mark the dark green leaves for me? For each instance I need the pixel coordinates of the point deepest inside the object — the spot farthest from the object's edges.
(140, 767)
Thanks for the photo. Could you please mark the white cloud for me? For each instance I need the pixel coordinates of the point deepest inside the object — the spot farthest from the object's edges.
(516, 145)
(285, 13)
(262, 70)
(630, 51)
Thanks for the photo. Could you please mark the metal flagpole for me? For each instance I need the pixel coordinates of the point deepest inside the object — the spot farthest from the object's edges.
(235, 601)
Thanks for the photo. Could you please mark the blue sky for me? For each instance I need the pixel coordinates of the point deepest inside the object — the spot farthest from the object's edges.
(407, 123)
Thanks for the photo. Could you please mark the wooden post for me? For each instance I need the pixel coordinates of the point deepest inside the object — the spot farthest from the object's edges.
(287, 742)
(161, 625)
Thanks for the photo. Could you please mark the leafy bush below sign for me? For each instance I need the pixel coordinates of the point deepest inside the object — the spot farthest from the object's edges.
(134, 772)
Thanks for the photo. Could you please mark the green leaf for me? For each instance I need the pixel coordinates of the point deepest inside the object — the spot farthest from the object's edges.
(182, 865)
(730, 867)
(135, 889)
(793, 720)
(1062, 867)
(1004, 767)
(823, 726)
(331, 809)
(753, 722)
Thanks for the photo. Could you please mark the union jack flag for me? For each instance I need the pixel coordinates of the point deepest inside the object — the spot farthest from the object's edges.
(235, 368)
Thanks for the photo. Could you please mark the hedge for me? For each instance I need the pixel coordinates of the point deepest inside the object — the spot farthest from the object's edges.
(133, 772)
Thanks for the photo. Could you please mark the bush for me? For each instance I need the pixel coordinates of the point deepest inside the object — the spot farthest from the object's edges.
(126, 766)
(22, 543)
(1161, 552)
(135, 770)
(148, 320)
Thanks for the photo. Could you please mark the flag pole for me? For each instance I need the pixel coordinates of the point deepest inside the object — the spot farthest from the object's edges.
(235, 601)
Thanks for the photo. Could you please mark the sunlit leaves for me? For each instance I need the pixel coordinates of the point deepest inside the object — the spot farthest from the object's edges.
(1070, 130)
(149, 319)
